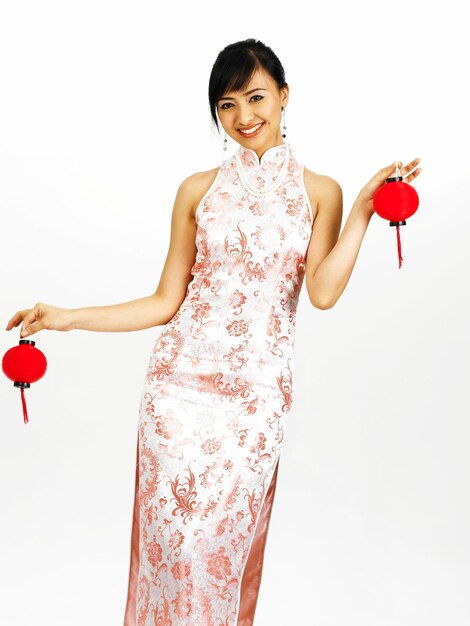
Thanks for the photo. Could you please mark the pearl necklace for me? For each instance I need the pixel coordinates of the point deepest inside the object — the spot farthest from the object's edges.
(262, 193)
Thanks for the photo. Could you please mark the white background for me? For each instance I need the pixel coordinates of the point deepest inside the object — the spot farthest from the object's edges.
(103, 112)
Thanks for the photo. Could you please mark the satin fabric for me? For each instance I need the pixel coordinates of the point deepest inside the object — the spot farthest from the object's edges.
(215, 401)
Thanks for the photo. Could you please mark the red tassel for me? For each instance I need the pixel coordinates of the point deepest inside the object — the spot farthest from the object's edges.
(25, 412)
(400, 260)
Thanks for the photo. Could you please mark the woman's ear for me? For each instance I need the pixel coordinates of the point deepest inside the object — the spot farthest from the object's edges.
(285, 95)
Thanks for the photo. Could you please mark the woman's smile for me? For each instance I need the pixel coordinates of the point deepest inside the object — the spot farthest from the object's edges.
(251, 132)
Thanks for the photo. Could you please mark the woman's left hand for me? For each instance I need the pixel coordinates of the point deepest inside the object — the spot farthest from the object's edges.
(366, 195)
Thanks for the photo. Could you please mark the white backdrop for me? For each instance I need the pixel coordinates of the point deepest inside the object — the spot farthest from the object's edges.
(103, 112)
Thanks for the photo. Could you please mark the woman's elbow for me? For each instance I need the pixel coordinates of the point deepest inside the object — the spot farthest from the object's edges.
(319, 303)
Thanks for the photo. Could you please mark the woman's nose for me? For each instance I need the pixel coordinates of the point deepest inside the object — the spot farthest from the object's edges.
(245, 117)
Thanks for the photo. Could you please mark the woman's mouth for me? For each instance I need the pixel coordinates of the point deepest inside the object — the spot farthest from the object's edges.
(251, 132)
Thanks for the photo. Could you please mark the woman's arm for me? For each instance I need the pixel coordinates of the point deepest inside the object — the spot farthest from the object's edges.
(332, 275)
(330, 260)
(153, 310)
(326, 199)
(126, 316)
(159, 307)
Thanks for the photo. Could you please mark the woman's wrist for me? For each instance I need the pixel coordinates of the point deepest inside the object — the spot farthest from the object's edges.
(74, 318)
(363, 209)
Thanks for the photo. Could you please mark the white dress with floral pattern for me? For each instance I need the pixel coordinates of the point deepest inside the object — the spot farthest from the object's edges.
(214, 405)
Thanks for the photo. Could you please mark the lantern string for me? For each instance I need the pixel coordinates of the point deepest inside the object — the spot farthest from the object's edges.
(25, 411)
(400, 260)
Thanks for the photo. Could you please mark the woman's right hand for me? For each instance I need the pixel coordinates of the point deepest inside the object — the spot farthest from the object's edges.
(42, 316)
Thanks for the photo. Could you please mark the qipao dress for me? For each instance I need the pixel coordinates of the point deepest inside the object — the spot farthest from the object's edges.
(215, 401)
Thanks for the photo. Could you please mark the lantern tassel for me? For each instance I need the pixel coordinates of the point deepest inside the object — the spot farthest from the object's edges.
(25, 411)
(400, 259)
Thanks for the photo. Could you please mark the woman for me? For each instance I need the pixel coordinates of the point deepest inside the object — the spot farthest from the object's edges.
(219, 384)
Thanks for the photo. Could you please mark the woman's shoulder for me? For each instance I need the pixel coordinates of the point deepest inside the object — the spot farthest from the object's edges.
(320, 187)
(195, 186)
(198, 184)
(320, 182)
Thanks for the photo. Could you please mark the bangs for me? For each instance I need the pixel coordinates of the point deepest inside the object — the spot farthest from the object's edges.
(236, 73)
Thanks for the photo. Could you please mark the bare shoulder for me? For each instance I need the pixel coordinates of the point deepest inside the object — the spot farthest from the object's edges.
(321, 189)
(195, 186)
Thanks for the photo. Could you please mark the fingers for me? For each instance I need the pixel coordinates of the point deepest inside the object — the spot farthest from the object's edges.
(33, 320)
(410, 171)
(30, 330)
(16, 319)
(412, 175)
(384, 173)
(30, 325)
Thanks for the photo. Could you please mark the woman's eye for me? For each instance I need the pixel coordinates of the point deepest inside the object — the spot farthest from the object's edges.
(226, 105)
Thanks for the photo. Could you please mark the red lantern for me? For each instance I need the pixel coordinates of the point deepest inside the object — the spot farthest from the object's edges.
(395, 201)
(24, 364)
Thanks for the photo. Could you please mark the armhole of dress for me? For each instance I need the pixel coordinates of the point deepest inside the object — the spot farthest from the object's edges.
(201, 201)
(307, 199)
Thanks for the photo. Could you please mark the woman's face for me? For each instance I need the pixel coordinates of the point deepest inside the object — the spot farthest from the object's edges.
(257, 107)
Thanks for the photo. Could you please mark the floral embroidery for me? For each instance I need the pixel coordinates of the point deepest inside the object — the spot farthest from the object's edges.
(217, 394)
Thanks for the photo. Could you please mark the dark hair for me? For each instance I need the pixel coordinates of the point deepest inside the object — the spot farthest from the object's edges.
(236, 64)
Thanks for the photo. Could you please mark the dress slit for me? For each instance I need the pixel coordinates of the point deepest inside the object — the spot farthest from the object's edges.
(131, 605)
(251, 576)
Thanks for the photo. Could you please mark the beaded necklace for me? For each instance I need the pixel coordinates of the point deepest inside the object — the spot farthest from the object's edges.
(262, 193)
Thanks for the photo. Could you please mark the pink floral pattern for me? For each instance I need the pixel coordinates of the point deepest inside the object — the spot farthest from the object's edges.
(216, 398)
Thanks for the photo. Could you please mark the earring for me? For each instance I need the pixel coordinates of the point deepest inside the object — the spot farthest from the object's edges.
(284, 127)
(224, 146)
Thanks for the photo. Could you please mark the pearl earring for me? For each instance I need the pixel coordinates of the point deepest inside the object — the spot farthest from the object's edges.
(284, 127)
(224, 144)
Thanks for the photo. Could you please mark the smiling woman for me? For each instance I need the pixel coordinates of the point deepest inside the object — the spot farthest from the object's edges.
(218, 389)
(219, 385)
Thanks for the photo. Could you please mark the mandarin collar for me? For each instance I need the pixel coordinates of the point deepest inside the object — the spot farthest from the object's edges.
(261, 177)
(273, 156)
